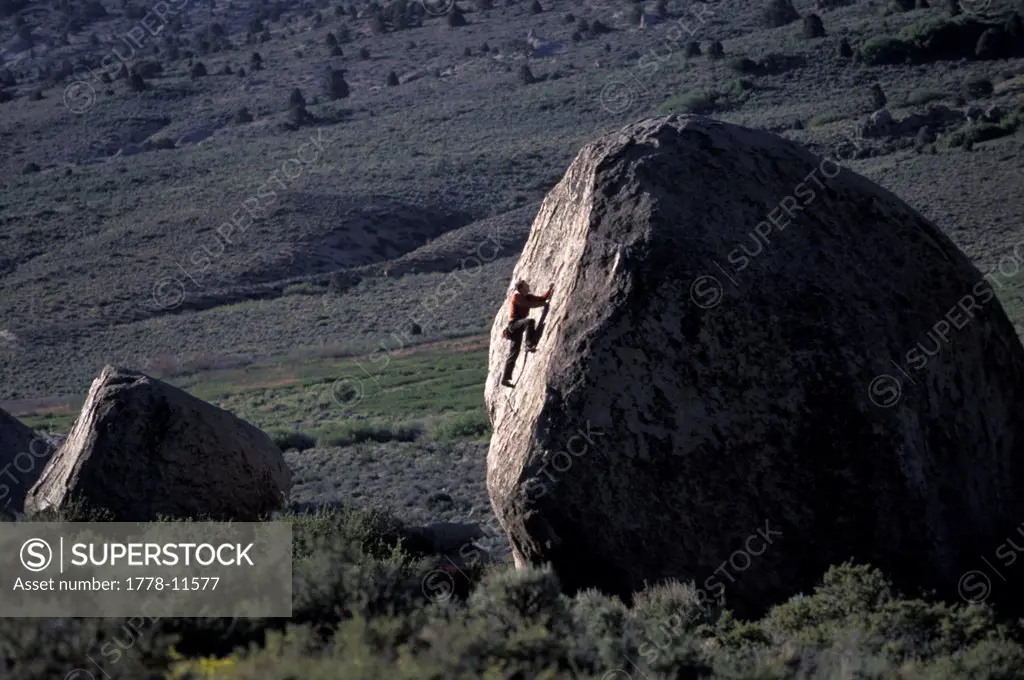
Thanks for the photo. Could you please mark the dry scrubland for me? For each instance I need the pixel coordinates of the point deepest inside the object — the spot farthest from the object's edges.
(98, 210)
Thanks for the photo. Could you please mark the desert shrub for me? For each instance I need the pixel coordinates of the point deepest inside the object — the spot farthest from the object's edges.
(392, 79)
(255, 62)
(243, 116)
(356, 432)
(160, 144)
(599, 28)
(526, 75)
(1014, 27)
(335, 86)
(901, 5)
(136, 83)
(535, 7)
(922, 4)
(296, 98)
(975, 133)
(298, 116)
(635, 15)
(331, 40)
(779, 13)
(877, 97)
(692, 49)
(583, 26)
(775, 63)
(743, 65)
(364, 53)
(978, 87)
(30, 168)
(953, 7)
(824, 119)
(473, 424)
(991, 44)
(700, 102)
(292, 439)
(336, 51)
(844, 50)
(885, 49)
(455, 18)
(813, 27)
(716, 50)
(198, 70)
(148, 69)
(921, 96)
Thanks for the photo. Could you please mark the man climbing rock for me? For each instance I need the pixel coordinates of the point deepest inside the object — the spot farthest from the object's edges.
(519, 323)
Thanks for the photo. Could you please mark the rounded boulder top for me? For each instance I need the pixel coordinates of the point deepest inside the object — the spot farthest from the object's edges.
(756, 364)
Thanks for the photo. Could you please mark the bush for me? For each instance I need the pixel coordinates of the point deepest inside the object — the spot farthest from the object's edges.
(699, 102)
(364, 53)
(335, 86)
(455, 18)
(296, 98)
(844, 50)
(535, 7)
(824, 119)
(878, 98)
(991, 44)
(198, 70)
(813, 27)
(692, 49)
(779, 13)
(287, 440)
(885, 49)
(160, 144)
(357, 432)
(255, 62)
(743, 65)
(716, 50)
(974, 133)
(473, 424)
(526, 75)
(978, 87)
(598, 28)
(243, 116)
(136, 82)
(30, 168)
(922, 96)
(392, 79)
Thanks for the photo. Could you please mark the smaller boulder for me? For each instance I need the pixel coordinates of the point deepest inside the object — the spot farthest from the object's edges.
(142, 449)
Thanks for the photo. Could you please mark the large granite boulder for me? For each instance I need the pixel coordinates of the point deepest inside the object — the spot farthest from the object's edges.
(756, 364)
(23, 455)
(142, 448)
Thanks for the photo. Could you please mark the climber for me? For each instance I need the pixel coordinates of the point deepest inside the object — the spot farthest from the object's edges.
(520, 323)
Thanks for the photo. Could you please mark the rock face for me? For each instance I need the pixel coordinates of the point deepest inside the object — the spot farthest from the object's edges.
(23, 455)
(142, 448)
(729, 396)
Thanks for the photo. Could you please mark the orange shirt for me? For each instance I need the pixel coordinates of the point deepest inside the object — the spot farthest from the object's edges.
(522, 303)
